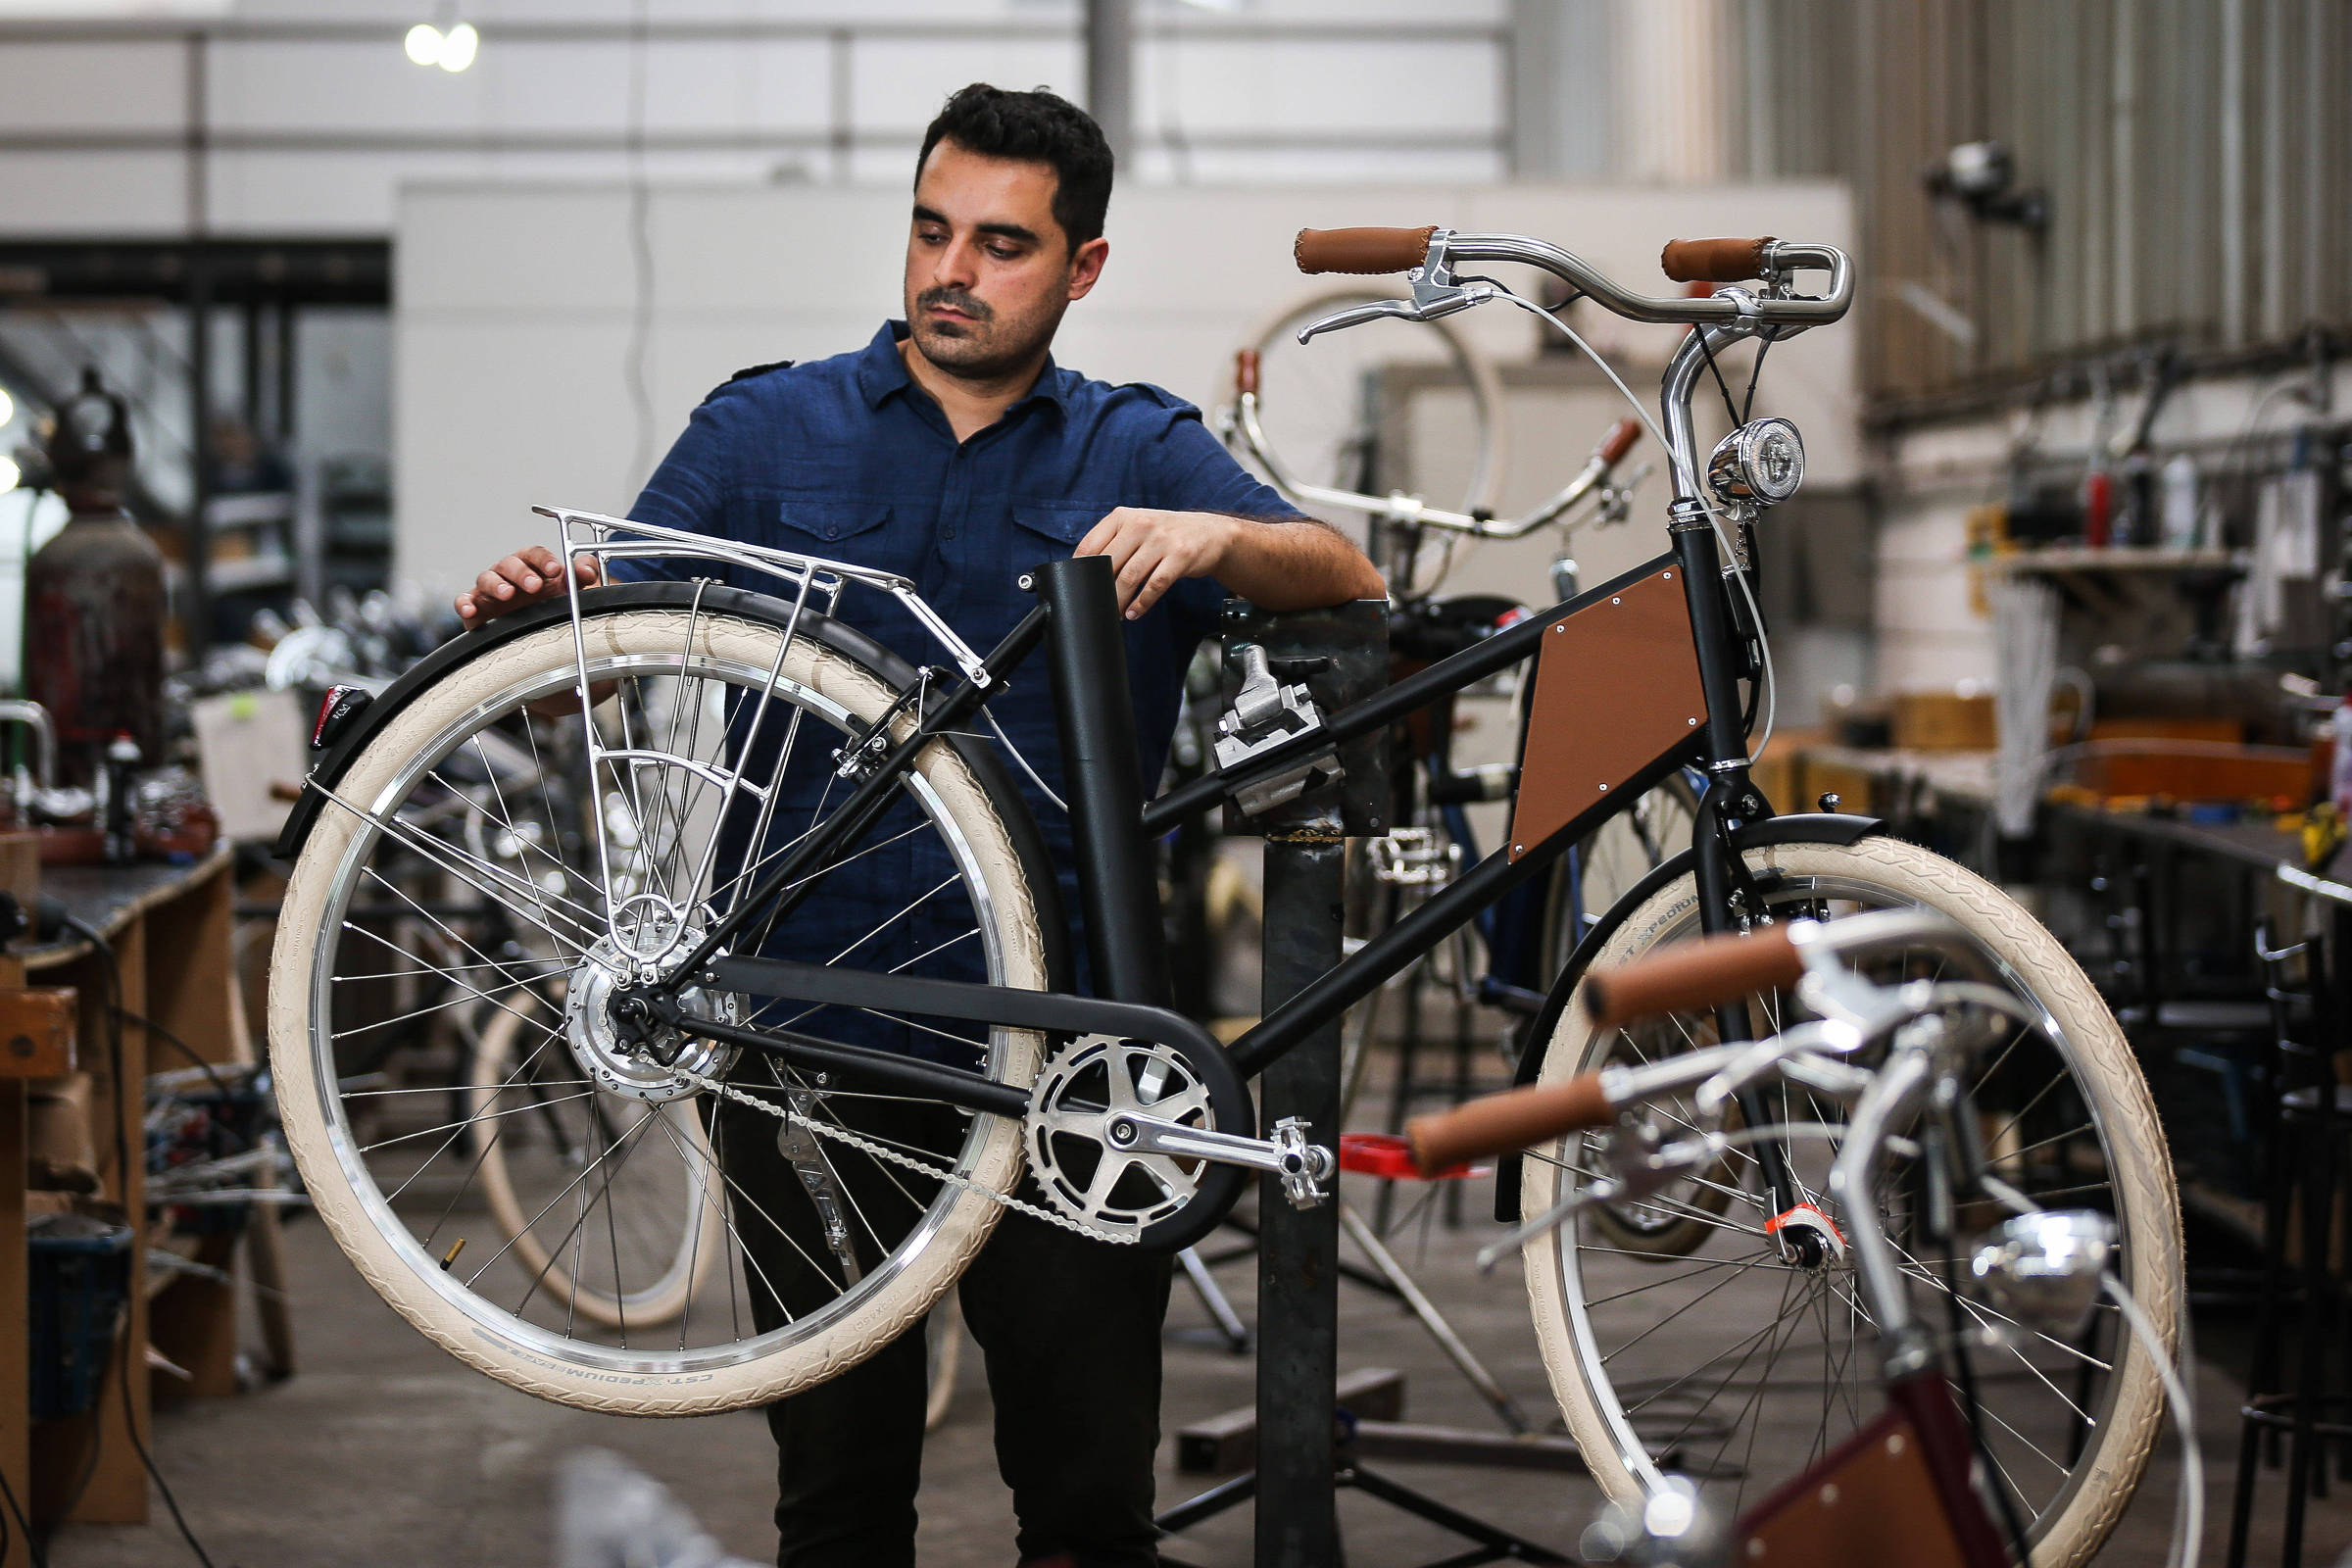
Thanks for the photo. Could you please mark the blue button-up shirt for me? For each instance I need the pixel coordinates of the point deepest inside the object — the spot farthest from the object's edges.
(848, 458)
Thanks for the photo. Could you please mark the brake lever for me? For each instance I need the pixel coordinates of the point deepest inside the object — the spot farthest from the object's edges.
(1357, 316)
(1428, 304)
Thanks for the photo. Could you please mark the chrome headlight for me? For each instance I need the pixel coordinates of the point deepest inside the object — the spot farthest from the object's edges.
(1759, 464)
(2044, 1269)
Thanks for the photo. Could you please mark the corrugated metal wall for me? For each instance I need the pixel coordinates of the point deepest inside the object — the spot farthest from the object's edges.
(2197, 156)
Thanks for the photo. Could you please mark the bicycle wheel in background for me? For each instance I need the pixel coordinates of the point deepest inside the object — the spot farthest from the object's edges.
(1772, 1360)
(668, 1210)
(827, 1250)
(1610, 862)
(1316, 407)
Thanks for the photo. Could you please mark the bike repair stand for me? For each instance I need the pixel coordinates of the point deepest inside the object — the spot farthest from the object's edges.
(1304, 1453)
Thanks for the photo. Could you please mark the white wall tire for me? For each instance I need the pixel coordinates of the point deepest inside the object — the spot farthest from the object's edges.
(646, 1382)
(2084, 1508)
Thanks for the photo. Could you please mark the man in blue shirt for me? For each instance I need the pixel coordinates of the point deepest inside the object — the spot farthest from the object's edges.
(954, 451)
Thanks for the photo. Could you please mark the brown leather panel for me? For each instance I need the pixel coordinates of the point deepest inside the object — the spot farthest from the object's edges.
(1244, 373)
(1713, 260)
(1872, 1500)
(1361, 250)
(1616, 688)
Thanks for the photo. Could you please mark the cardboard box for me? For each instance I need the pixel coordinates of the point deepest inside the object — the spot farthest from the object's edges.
(1944, 722)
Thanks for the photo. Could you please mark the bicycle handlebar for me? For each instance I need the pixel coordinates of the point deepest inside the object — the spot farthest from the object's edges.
(1519, 1118)
(1243, 421)
(1361, 250)
(1403, 250)
(1687, 976)
(1714, 261)
(1618, 442)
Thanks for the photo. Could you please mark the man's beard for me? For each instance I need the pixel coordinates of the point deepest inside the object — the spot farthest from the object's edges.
(981, 348)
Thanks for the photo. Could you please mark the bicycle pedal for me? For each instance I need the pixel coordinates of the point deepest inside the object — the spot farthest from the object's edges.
(1414, 857)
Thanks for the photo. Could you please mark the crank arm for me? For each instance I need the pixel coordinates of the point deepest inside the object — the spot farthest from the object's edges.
(1303, 1167)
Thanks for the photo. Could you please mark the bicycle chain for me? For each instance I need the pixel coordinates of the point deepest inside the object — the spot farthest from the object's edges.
(883, 1151)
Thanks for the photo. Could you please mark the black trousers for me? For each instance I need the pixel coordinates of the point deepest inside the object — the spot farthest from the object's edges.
(1070, 1329)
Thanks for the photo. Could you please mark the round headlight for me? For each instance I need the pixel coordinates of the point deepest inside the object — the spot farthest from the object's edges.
(1759, 464)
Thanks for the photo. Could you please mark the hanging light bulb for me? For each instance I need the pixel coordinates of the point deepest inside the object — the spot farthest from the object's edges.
(459, 46)
(10, 473)
(424, 45)
(8, 406)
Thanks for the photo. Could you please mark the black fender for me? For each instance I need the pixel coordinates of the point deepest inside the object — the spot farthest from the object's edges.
(1021, 823)
(1801, 827)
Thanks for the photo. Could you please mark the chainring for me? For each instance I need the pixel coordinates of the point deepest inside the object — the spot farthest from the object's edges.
(1159, 1202)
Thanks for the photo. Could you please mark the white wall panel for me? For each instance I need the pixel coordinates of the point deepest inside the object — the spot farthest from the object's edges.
(898, 83)
(92, 193)
(1322, 88)
(85, 87)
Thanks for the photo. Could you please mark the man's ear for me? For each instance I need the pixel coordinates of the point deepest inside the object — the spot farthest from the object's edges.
(1085, 266)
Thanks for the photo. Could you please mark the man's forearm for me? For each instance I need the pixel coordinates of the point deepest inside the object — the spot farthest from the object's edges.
(1298, 563)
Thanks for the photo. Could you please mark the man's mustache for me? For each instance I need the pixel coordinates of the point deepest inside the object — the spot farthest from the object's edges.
(955, 299)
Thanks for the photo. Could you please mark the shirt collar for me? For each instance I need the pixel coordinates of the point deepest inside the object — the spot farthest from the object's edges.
(882, 370)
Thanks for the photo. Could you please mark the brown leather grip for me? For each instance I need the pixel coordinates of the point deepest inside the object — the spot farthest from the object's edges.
(1517, 1118)
(1244, 373)
(1618, 442)
(1686, 976)
(1713, 260)
(1361, 250)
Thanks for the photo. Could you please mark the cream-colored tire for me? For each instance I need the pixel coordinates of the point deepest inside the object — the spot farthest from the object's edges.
(1597, 1315)
(635, 635)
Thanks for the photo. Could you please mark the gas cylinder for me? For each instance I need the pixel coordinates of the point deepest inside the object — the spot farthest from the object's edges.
(94, 597)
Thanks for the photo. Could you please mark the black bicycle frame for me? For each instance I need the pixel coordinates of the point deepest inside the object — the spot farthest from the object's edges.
(1113, 829)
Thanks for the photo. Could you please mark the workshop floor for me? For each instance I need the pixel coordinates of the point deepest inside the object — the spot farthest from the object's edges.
(384, 1452)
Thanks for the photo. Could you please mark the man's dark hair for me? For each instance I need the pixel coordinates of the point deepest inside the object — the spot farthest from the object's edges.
(1035, 127)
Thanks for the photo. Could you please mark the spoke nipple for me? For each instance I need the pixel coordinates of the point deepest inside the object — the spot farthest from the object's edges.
(450, 1256)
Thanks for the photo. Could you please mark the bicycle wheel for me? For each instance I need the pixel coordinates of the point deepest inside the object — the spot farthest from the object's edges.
(719, 732)
(549, 1142)
(1772, 1360)
(1316, 407)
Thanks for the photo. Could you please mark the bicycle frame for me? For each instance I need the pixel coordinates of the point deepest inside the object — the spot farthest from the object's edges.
(1077, 622)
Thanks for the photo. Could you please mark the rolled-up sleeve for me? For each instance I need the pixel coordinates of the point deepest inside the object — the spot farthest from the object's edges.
(1187, 469)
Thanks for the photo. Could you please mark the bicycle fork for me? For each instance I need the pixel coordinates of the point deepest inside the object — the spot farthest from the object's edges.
(1726, 897)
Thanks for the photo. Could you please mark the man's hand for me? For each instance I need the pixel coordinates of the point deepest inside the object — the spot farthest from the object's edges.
(525, 578)
(1155, 550)
(1294, 565)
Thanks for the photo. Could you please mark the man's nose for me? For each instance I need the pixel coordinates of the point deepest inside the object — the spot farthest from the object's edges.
(958, 264)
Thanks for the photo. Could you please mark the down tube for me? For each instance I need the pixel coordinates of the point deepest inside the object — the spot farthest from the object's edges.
(1420, 932)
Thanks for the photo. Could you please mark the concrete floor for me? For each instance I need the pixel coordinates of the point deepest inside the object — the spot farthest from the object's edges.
(383, 1451)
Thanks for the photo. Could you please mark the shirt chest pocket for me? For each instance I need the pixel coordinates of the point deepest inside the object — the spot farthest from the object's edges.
(1050, 530)
(856, 529)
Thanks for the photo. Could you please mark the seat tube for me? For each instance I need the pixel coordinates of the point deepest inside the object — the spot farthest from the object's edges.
(1102, 774)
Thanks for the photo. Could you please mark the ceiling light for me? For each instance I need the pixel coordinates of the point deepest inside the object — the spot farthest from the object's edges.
(424, 45)
(459, 46)
(10, 473)
(8, 406)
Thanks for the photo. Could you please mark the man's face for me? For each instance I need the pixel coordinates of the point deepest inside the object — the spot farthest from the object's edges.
(989, 271)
